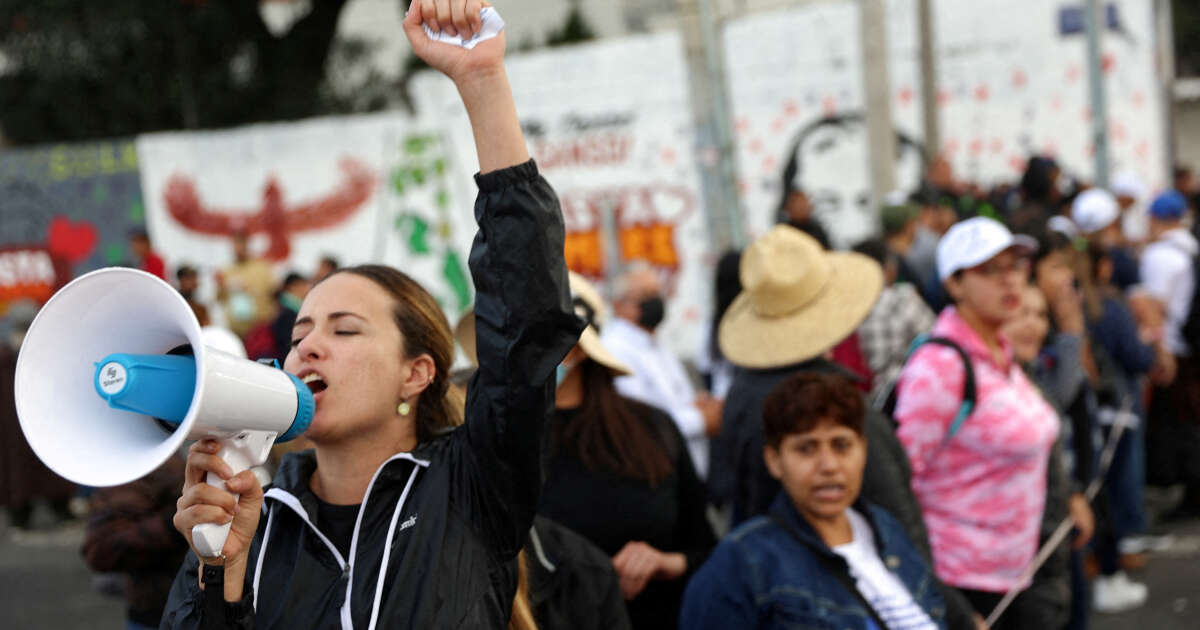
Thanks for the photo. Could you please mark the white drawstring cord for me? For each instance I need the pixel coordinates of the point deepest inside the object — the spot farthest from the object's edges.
(387, 549)
(262, 553)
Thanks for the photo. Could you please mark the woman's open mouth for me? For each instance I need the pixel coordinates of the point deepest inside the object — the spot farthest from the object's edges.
(315, 383)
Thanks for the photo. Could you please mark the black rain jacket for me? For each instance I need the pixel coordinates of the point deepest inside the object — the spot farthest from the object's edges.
(439, 528)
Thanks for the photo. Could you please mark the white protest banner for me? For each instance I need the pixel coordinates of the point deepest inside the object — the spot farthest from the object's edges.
(363, 189)
(1012, 83)
(610, 126)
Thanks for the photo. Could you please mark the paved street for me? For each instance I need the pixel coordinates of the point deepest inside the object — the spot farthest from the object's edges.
(44, 584)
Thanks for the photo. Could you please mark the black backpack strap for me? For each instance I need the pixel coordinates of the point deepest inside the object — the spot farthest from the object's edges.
(839, 570)
(969, 391)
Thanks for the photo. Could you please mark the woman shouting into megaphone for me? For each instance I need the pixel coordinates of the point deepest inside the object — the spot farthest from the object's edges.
(400, 518)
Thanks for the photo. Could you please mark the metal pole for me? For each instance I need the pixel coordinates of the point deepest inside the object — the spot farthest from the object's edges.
(710, 103)
(1095, 29)
(929, 81)
(1166, 56)
(881, 134)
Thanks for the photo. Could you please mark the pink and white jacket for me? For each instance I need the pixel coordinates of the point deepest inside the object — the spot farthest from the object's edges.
(983, 492)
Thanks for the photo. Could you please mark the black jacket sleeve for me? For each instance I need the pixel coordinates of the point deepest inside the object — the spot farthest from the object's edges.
(693, 534)
(524, 326)
(190, 608)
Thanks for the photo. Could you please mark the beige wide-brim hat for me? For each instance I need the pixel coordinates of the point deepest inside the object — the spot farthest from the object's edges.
(589, 306)
(797, 301)
(464, 333)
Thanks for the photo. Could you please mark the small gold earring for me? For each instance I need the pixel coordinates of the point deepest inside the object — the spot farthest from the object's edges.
(404, 409)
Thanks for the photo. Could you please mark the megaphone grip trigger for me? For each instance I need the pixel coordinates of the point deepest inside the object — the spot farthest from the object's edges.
(241, 452)
(209, 539)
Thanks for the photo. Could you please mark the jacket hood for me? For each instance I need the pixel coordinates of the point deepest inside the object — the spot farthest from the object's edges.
(297, 468)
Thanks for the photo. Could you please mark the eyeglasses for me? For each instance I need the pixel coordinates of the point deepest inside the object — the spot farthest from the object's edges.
(995, 268)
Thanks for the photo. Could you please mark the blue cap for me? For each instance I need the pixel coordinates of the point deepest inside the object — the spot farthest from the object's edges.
(1169, 206)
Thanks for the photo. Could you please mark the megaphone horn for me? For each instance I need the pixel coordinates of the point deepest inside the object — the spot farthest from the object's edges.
(116, 359)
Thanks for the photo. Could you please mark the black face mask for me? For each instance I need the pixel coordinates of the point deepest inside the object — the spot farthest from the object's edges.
(653, 310)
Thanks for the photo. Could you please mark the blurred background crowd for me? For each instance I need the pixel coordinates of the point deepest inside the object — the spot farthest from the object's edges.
(995, 297)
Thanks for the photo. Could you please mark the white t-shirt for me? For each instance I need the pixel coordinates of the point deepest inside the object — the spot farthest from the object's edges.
(660, 380)
(879, 586)
(1167, 275)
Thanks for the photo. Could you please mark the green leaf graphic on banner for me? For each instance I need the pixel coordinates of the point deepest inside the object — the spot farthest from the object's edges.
(415, 144)
(418, 175)
(452, 271)
(418, 230)
(137, 212)
(439, 166)
(442, 199)
(398, 181)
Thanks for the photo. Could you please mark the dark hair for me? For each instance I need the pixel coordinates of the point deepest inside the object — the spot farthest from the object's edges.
(1036, 183)
(802, 401)
(139, 234)
(727, 286)
(875, 249)
(609, 435)
(426, 331)
(1049, 242)
(331, 261)
(291, 278)
(185, 271)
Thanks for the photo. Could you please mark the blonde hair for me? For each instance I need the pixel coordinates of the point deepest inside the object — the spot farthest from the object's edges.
(522, 611)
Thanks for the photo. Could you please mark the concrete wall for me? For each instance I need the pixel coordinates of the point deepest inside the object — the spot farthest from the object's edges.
(1187, 133)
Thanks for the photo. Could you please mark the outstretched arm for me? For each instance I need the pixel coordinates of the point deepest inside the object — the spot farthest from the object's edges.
(524, 321)
(478, 74)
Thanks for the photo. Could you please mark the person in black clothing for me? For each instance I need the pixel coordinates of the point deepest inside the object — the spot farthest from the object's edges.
(442, 510)
(619, 474)
(290, 295)
(572, 585)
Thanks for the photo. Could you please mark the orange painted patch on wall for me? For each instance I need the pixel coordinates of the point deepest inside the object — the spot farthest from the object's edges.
(30, 272)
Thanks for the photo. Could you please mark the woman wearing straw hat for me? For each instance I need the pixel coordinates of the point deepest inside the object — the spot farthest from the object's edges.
(620, 474)
(982, 488)
(797, 302)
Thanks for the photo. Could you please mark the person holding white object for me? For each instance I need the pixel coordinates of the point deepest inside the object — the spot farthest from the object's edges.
(399, 518)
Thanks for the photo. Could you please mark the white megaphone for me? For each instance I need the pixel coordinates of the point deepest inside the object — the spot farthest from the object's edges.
(114, 375)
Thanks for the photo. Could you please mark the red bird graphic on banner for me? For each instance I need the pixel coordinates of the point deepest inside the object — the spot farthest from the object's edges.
(274, 217)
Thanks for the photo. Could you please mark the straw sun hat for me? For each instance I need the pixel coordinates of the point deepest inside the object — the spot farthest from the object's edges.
(589, 306)
(797, 300)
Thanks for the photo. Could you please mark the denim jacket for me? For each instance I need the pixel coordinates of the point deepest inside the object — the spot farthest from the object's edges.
(764, 576)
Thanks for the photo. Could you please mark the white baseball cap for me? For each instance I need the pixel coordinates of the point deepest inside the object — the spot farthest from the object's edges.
(974, 242)
(1094, 209)
(1063, 225)
(1128, 184)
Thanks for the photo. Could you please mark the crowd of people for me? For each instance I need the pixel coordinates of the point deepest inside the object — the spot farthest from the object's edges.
(876, 438)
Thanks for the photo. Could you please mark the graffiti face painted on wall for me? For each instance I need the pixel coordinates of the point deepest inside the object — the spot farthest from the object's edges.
(829, 157)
